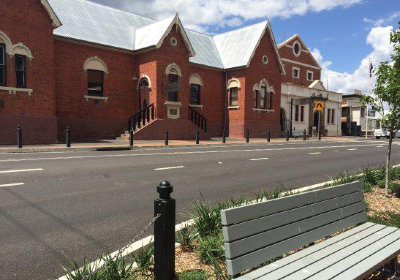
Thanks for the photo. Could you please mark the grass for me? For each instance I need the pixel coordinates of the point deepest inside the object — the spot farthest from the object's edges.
(393, 221)
(193, 275)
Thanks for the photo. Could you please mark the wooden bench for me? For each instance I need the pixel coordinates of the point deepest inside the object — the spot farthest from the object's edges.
(258, 233)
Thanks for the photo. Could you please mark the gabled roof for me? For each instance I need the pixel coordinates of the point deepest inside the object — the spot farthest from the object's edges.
(94, 23)
(317, 84)
(56, 21)
(298, 38)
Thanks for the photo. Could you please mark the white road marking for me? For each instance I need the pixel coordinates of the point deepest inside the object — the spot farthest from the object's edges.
(20, 170)
(168, 168)
(354, 149)
(317, 153)
(186, 153)
(379, 146)
(11, 185)
(255, 159)
(220, 162)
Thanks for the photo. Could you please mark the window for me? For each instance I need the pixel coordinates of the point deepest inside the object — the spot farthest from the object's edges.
(263, 97)
(271, 101)
(296, 113)
(95, 82)
(173, 96)
(20, 70)
(302, 113)
(234, 97)
(296, 72)
(3, 81)
(362, 112)
(331, 116)
(256, 94)
(310, 75)
(296, 49)
(195, 94)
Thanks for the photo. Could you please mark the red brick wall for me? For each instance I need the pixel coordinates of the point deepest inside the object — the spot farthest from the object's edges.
(36, 112)
(305, 57)
(71, 86)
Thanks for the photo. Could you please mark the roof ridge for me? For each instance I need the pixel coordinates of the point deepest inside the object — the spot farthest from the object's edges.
(244, 27)
(116, 9)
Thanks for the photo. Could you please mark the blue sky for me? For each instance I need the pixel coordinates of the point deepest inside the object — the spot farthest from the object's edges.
(342, 34)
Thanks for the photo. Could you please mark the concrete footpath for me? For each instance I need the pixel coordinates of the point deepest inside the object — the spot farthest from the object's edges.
(115, 145)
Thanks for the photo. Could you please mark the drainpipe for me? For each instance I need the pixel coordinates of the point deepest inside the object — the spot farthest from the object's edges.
(226, 100)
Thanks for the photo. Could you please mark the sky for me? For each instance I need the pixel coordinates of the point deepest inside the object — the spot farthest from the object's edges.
(343, 35)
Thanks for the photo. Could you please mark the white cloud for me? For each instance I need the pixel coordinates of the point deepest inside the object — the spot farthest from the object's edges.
(345, 82)
(382, 21)
(203, 14)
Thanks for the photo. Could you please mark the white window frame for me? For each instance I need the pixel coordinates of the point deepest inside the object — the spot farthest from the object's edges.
(298, 70)
(312, 75)
(300, 50)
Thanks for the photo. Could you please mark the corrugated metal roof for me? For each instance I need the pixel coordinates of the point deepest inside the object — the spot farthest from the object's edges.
(91, 22)
(206, 51)
(237, 47)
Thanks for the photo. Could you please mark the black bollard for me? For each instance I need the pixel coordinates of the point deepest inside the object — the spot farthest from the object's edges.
(247, 136)
(287, 135)
(131, 137)
(68, 138)
(19, 137)
(269, 135)
(304, 135)
(224, 136)
(197, 137)
(319, 134)
(166, 137)
(164, 233)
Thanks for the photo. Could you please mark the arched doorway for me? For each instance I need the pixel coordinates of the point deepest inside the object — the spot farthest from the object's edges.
(283, 121)
(144, 93)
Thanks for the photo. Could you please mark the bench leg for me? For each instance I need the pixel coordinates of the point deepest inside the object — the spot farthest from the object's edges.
(395, 267)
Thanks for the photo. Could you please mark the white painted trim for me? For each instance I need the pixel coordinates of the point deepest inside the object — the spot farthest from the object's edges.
(234, 83)
(233, 108)
(196, 106)
(13, 90)
(173, 104)
(95, 63)
(87, 97)
(144, 76)
(21, 49)
(196, 79)
(7, 42)
(263, 110)
(312, 75)
(173, 66)
(302, 64)
(256, 87)
(298, 69)
(51, 13)
(298, 43)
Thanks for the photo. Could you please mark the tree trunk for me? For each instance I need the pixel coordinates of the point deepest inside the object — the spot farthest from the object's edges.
(388, 162)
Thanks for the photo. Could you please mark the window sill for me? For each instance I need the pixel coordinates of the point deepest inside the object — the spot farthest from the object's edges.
(196, 106)
(173, 104)
(87, 97)
(263, 110)
(233, 108)
(12, 90)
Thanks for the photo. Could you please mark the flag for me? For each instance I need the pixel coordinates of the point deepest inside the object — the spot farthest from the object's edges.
(371, 67)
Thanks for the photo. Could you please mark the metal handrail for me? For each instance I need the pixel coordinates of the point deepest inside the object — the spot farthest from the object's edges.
(196, 118)
(141, 118)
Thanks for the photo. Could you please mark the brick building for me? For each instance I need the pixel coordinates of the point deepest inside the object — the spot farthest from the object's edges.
(100, 71)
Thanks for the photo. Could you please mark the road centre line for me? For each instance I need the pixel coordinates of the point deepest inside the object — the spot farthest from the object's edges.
(168, 168)
(256, 159)
(20, 170)
(185, 153)
(11, 185)
(317, 153)
(354, 149)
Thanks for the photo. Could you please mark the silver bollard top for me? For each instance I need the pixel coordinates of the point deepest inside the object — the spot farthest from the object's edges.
(165, 189)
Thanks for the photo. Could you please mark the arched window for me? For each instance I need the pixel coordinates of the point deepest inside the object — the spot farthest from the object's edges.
(95, 69)
(256, 92)
(196, 83)
(264, 94)
(173, 73)
(271, 98)
(144, 92)
(3, 77)
(233, 87)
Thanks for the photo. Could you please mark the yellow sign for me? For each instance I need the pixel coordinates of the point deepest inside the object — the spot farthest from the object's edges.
(319, 105)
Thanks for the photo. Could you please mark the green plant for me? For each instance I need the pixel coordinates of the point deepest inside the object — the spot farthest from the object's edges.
(344, 178)
(211, 247)
(185, 237)
(370, 176)
(367, 186)
(395, 188)
(207, 218)
(193, 275)
(143, 258)
(394, 173)
(381, 184)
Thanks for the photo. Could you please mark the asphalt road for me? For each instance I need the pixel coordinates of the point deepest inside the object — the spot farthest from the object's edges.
(77, 204)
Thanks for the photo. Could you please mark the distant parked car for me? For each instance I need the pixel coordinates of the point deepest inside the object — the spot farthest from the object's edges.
(385, 133)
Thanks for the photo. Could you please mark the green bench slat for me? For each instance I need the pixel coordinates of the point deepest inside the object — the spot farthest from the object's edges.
(328, 267)
(252, 243)
(356, 257)
(238, 231)
(287, 262)
(250, 212)
(260, 256)
(370, 264)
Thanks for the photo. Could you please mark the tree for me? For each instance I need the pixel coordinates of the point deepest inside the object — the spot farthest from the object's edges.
(386, 95)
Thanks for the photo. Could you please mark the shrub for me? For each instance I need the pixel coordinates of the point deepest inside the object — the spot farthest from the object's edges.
(344, 178)
(370, 176)
(211, 247)
(185, 237)
(144, 258)
(192, 275)
(367, 186)
(395, 188)
(394, 173)
(381, 184)
(207, 219)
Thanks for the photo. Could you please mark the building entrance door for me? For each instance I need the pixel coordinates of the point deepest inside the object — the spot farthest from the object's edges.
(144, 94)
